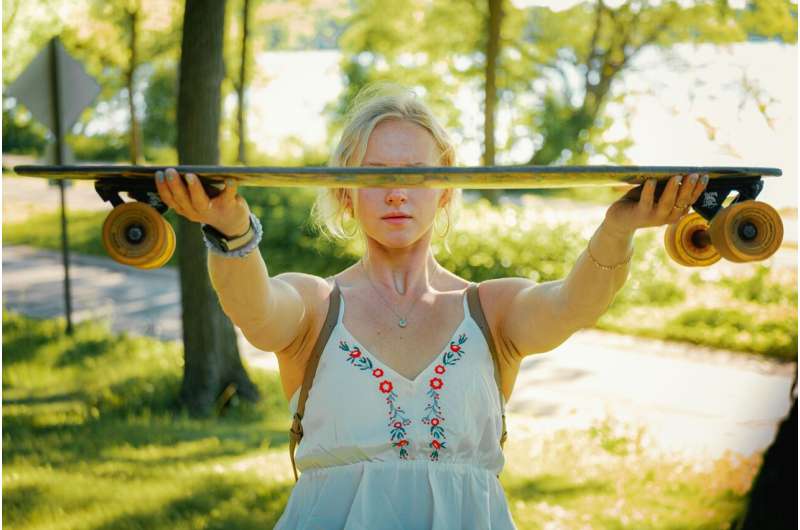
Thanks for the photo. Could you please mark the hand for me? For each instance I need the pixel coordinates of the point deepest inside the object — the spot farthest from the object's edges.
(636, 208)
(227, 212)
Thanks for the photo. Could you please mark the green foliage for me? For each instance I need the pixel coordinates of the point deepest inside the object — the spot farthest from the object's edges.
(159, 126)
(733, 329)
(757, 288)
(22, 134)
(107, 147)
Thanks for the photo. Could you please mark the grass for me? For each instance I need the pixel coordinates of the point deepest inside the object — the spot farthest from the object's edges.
(93, 438)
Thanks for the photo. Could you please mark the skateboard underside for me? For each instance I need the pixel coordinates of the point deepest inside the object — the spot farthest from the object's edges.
(741, 230)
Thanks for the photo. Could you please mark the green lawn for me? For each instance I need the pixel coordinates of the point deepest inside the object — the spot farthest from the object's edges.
(93, 439)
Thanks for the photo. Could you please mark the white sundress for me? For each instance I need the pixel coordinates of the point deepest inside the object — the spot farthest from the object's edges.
(380, 451)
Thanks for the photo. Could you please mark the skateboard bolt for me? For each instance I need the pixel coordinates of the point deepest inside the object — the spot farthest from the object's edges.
(747, 231)
(134, 234)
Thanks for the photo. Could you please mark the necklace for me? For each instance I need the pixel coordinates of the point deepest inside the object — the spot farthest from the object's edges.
(402, 322)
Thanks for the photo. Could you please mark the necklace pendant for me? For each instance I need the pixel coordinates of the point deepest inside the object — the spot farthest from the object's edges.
(402, 323)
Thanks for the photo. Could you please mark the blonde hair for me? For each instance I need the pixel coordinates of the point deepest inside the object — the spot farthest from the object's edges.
(373, 104)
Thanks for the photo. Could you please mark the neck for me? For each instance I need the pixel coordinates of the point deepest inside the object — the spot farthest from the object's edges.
(407, 272)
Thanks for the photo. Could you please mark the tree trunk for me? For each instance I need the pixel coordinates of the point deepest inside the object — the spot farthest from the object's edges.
(772, 501)
(240, 112)
(494, 23)
(135, 136)
(212, 363)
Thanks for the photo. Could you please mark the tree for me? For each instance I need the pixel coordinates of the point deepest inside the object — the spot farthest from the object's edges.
(541, 52)
(240, 109)
(212, 365)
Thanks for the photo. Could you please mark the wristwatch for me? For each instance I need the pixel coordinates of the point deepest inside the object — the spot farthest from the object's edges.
(225, 243)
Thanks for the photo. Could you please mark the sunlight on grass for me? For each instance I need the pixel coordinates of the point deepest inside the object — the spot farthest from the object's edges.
(102, 445)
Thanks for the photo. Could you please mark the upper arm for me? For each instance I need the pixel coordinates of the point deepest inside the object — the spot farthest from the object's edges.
(288, 313)
(535, 319)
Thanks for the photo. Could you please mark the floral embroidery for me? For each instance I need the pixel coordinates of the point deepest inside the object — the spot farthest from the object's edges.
(434, 417)
(397, 418)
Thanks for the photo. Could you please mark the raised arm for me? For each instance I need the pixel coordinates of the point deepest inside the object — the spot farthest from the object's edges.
(269, 311)
(542, 316)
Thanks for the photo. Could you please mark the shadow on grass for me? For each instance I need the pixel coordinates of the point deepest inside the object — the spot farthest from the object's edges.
(219, 501)
(554, 488)
(21, 502)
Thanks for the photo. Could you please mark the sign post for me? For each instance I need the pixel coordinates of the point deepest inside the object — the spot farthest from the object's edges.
(56, 89)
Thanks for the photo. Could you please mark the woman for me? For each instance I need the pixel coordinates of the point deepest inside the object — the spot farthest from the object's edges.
(398, 434)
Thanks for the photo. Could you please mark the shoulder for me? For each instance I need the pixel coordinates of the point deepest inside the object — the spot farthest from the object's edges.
(314, 290)
(496, 297)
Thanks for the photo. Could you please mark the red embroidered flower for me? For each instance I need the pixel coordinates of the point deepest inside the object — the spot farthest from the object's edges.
(398, 424)
(455, 347)
(386, 386)
(436, 444)
(355, 353)
(436, 383)
(401, 443)
(439, 369)
(434, 421)
(377, 372)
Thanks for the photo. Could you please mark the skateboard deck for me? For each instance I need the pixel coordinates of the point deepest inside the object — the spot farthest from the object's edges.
(742, 230)
(497, 177)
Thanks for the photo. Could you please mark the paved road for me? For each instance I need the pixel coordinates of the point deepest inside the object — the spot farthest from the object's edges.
(694, 400)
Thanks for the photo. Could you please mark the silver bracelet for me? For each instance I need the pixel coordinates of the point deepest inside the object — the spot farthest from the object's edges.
(245, 250)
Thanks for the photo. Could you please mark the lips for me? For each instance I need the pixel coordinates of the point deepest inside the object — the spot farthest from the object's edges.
(396, 216)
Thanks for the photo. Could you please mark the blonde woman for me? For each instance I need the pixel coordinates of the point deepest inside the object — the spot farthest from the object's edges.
(403, 425)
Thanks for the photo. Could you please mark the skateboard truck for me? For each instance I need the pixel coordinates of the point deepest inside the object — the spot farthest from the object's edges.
(744, 230)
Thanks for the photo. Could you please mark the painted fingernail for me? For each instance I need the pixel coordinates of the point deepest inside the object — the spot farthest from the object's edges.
(190, 178)
(693, 178)
(160, 176)
(229, 182)
(679, 179)
(704, 180)
(170, 175)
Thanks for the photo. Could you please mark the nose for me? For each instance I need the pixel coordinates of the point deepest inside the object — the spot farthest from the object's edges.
(396, 196)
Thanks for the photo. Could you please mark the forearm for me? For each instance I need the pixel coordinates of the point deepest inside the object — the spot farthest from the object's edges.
(242, 285)
(588, 289)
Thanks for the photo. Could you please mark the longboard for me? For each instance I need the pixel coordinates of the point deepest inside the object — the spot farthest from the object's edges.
(744, 230)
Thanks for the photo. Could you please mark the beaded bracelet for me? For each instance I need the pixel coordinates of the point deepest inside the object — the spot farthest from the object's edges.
(242, 251)
(606, 267)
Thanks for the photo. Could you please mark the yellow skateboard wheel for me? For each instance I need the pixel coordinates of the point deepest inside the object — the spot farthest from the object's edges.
(135, 234)
(688, 243)
(747, 231)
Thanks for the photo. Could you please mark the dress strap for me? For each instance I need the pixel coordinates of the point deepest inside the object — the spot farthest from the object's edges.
(296, 430)
(476, 311)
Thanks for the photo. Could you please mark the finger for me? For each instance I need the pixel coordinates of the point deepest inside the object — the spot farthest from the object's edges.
(667, 199)
(687, 190)
(699, 188)
(197, 194)
(163, 190)
(229, 192)
(179, 192)
(648, 194)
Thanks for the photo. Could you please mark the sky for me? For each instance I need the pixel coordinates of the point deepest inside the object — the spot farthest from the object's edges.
(670, 126)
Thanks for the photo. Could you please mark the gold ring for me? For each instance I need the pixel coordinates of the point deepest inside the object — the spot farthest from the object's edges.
(680, 207)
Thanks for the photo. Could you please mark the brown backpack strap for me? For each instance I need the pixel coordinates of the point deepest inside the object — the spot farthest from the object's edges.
(296, 431)
(476, 311)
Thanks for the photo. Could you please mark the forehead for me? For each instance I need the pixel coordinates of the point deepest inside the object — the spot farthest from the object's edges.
(395, 142)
